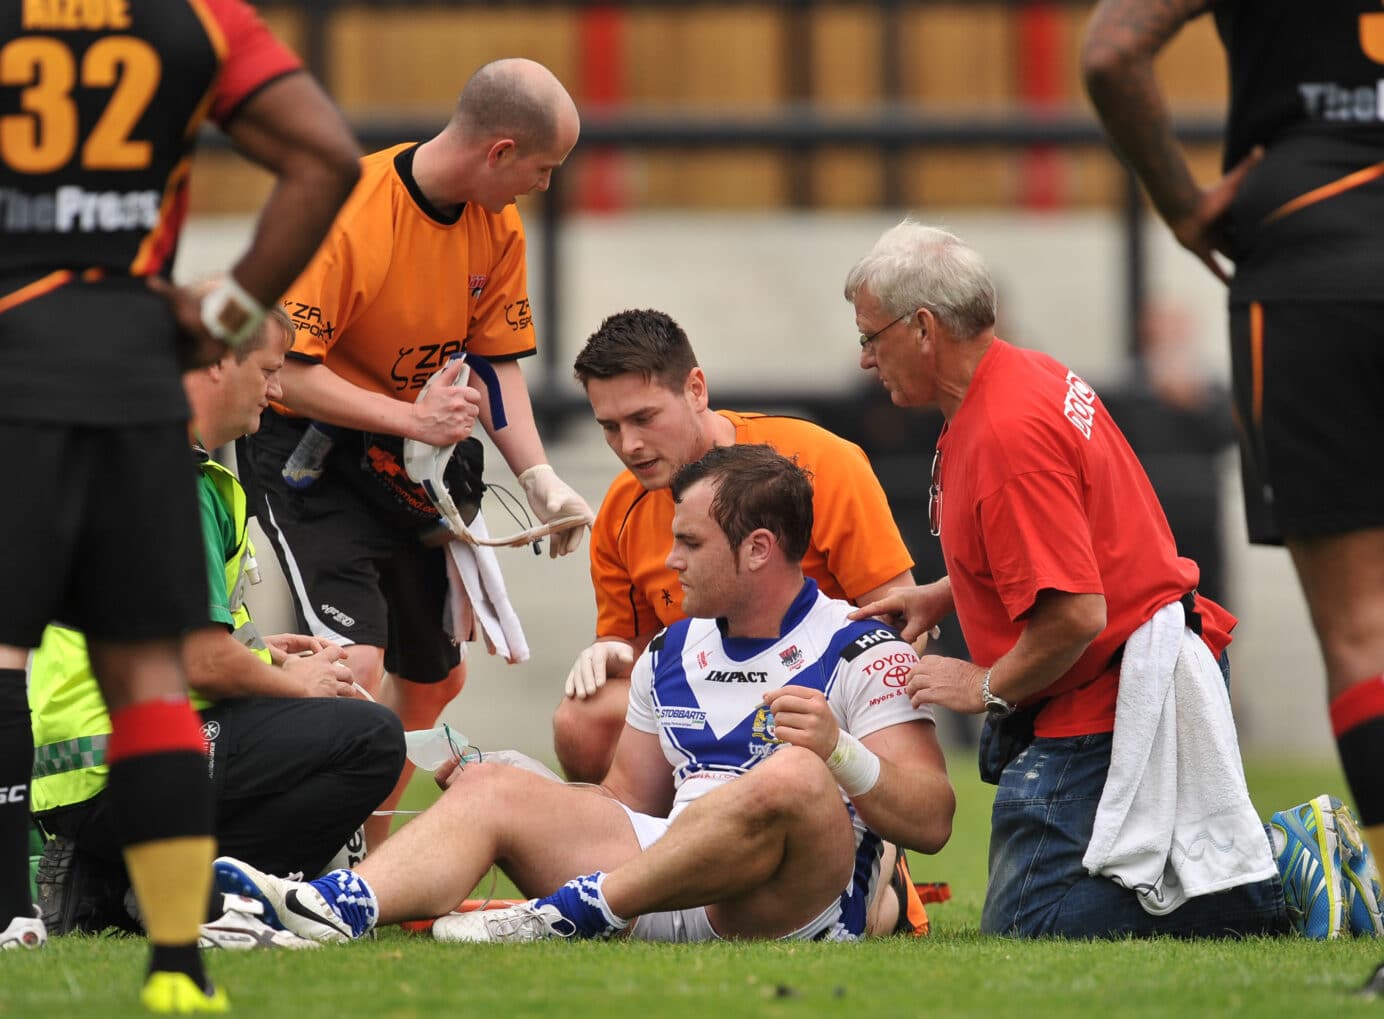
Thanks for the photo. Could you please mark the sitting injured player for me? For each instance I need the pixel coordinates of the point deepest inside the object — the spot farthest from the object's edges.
(767, 731)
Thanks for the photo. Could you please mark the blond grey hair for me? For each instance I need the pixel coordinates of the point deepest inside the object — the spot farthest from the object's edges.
(917, 266)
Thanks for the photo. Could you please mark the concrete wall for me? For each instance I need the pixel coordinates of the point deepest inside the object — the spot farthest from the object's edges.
(760, 295)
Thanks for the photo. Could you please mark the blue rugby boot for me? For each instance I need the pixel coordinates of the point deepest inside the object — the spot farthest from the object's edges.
(1308, 853)
(1362, 894)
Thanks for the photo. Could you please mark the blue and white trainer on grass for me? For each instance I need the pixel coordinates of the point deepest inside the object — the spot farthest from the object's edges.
(1362, 893)
(241, 927)
(527, 921)
(336, 907)
(1308, 852)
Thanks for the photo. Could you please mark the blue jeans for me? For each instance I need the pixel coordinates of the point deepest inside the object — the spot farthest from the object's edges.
(1045, 810)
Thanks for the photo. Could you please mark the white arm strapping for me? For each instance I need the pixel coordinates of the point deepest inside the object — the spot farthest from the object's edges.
(230, 313)
(854, 765)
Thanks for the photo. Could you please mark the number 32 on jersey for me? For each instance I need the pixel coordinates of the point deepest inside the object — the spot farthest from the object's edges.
(47, 135)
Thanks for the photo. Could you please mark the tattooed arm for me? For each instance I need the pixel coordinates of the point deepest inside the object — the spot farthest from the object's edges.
(1117, 58)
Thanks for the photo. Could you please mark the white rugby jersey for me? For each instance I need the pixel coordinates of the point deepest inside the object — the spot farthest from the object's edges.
(702, 692)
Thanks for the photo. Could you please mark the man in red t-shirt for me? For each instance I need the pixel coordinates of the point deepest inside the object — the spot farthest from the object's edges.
(1057, 553)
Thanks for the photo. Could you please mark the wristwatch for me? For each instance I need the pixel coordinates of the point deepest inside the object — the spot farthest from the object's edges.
(996, 707)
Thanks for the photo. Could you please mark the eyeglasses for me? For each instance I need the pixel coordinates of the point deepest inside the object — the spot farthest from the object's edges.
(867, 340)
(934, 496)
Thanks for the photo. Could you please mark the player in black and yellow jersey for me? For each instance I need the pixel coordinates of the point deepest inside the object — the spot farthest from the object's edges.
(100, 104)
(1300, 212)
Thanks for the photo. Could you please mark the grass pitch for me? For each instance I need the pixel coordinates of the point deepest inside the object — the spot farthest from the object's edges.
(956, 972)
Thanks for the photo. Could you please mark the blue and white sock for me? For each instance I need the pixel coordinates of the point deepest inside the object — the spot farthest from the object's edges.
(582, 901)
(348, 894)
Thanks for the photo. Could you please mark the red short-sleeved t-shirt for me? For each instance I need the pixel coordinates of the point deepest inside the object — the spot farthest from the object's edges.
(1040, 491)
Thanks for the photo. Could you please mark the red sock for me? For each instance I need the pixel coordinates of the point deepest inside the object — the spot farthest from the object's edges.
(1357, 719)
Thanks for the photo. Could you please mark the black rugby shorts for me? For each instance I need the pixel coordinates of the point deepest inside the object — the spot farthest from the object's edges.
(101, 530)
(1308, 379)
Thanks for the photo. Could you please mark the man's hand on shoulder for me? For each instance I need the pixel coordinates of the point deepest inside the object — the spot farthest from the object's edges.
(913, 611)
(949, 682)
(602, 660)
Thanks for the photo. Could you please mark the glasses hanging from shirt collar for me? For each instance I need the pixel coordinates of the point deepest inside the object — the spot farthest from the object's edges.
(934, 496)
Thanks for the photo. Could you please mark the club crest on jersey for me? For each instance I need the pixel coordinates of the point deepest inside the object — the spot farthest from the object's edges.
(763, 726)
(476, 282)
(763, 740)
(792, 658)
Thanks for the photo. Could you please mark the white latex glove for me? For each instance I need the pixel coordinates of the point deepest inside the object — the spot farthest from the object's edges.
(589, 670)
(551, 498)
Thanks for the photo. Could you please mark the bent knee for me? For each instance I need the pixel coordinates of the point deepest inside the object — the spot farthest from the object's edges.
(502, 782)
(791, 778)
(584, 736)
(366, 663)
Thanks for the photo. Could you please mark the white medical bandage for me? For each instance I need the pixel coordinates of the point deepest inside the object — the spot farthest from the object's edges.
(854, 766)
(230, 313)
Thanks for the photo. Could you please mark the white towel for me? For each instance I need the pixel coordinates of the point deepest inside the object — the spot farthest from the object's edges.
(1175, 819)
(477, 599)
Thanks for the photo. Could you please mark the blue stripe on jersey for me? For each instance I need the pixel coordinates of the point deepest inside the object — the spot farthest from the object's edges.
(667, 647)
(855, 901)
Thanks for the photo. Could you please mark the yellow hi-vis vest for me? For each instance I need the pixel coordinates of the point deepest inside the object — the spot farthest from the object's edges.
(70, 722)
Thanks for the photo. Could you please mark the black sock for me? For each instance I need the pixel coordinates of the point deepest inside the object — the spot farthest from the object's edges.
(180, 959)
(16, 769)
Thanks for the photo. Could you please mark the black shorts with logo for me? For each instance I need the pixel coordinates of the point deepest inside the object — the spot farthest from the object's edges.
(1308, 375)
(101, 531)
(291, 779)
(358, 572)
